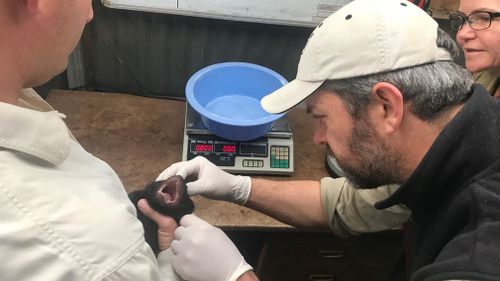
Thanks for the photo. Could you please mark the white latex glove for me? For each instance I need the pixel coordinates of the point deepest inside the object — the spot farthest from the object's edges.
(203, 252)
(211, 181)
(167, 272)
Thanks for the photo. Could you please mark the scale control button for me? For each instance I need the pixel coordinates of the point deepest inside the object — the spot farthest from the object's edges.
(253, 163)
(280, 156)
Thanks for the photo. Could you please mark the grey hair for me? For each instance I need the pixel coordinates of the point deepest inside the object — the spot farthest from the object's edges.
(430, 88)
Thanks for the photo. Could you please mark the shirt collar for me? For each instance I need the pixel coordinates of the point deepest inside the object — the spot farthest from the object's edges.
(40, 134)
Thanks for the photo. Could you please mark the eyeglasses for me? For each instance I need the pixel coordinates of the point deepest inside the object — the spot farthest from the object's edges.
(476, 20)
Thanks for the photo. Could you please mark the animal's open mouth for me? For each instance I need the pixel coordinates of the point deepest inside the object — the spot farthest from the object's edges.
(169, 197)
(170, 191)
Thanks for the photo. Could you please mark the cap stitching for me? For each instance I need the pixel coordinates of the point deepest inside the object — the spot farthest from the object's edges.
(382, 41)
(316, 50)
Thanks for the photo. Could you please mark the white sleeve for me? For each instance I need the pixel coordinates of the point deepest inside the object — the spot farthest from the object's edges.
(145, 267)
(140, 266)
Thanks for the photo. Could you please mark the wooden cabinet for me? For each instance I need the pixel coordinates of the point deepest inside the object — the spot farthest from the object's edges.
(324, 257)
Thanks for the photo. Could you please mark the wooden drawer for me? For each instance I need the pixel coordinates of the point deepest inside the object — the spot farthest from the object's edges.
(324, 257)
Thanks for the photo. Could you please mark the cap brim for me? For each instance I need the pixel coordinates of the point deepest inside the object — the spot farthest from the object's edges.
(289, 96)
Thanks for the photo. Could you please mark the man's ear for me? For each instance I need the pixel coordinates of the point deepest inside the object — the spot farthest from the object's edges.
(31, 3)
(390, 106)
(22, 9)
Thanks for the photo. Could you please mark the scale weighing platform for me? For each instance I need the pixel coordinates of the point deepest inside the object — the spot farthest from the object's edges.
(270, 154)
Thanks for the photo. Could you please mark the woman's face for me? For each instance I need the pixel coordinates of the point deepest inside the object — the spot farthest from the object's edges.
(481, 47)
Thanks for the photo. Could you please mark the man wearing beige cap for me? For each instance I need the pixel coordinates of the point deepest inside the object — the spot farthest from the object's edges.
(393, 107)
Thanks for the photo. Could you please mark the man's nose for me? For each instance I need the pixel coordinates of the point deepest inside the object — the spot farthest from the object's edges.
(318, 137)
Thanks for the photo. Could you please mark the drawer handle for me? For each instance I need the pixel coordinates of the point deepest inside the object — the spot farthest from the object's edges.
(321, 277)
(331, 254)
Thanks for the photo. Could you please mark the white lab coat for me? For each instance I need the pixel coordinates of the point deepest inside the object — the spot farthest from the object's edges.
(64, 214)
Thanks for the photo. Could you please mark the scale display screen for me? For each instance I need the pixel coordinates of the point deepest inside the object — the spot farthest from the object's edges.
(215, 148)
(225, 148)
(253, 149)
(223, 152)
(198, 147)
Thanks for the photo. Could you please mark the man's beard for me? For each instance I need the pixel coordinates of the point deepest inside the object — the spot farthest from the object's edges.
(374, 162)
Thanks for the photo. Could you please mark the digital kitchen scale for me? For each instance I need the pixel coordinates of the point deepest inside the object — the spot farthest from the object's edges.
(270, 154)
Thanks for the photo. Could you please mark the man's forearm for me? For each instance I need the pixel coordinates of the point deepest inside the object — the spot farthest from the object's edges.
(297, 203)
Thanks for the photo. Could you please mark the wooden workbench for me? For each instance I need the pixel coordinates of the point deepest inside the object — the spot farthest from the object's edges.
(139, 137)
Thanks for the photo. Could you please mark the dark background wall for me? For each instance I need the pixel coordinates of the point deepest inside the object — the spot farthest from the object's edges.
(155, 54)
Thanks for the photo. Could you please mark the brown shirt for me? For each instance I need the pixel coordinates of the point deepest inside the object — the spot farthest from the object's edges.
(489, 80)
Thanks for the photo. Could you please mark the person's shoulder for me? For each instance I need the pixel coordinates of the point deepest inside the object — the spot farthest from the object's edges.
(488, 79)
(484, 74)
(77, 212)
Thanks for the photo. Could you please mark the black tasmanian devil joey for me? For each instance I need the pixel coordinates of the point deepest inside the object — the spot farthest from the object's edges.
(168, 197)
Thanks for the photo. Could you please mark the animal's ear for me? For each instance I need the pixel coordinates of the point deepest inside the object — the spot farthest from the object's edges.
(135, 196)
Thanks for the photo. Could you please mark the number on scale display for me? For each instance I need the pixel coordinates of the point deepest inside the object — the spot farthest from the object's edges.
(203, 147)
(229, 148)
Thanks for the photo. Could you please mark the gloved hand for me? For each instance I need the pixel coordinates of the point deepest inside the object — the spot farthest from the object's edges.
(211, 182)
(203, 252)
(167, 271)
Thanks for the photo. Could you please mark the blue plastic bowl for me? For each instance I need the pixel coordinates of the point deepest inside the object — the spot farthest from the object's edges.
(227, 96)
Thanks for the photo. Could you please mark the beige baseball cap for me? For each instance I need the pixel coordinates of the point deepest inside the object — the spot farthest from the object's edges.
(363, 37)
